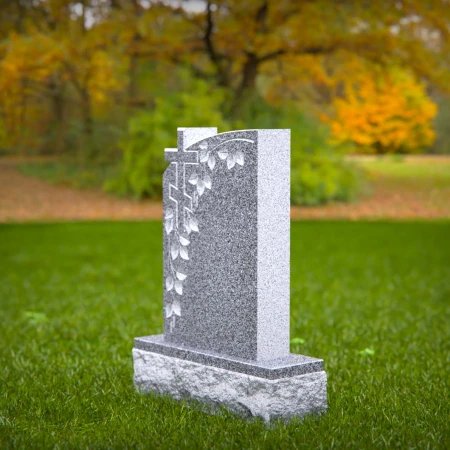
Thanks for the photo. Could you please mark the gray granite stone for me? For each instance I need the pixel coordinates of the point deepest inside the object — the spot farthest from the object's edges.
(228, 201)
(226, 244)
(242, 394)
(287, 366)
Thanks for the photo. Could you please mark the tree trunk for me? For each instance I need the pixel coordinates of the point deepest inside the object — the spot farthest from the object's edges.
(247, 86)
(132, 74)
(86, 149)
(59, 114)
(23, 140)
(249, 73)
(133, 67)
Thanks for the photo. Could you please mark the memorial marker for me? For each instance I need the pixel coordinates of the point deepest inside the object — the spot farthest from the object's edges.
(226, 280)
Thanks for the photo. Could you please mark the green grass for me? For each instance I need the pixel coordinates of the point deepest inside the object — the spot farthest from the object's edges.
(70, 174)
(410, 170)
(371, 299)
(422, 177)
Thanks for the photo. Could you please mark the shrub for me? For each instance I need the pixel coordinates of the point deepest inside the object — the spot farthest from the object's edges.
(316, 180)
(319, 172)
(149, 132)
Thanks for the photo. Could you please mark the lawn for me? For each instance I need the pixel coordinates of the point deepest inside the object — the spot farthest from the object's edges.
(425, 176)
(371, 299)
(91, 176)
(409, 168)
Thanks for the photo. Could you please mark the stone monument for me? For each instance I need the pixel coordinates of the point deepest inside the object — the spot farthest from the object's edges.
(226, 280)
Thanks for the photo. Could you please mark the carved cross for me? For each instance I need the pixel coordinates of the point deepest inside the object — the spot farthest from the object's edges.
(177, 192)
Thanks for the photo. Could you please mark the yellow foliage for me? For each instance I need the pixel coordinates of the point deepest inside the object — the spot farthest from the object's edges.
(28, 58)
(33, 65)
(385, 113)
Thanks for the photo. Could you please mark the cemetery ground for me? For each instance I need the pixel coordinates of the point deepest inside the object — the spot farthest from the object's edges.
(370, 298)
(399, 188)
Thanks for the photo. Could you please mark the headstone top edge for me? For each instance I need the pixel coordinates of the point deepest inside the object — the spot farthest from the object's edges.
(181, 129)
(196, 128)
(231, 131)
(190, 136)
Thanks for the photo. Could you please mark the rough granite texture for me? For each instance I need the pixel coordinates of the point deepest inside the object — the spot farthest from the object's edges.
(240, 393)
(285, 367)
(233, 297)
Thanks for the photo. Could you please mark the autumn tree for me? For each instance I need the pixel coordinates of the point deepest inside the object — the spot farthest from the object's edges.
(388, 113)
(234, 41)
(27, 65)
(58, 60)
(67, 59)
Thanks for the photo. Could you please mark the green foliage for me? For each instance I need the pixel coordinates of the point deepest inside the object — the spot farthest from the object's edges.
(442, 124)
(317, 179)
(66, 377)
(149, 132)
(79, 176)
(319, 173)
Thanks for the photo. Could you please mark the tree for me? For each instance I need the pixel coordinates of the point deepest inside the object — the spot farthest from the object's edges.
(387, 114)
(78, 57)
(239, 39)
(56, 61)
(27, 65)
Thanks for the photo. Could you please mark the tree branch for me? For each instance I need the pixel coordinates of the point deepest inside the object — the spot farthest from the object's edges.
(261, 16)
(207, 38)
(304, 51)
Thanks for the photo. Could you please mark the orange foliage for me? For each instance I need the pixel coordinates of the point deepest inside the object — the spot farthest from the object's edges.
(386, 113)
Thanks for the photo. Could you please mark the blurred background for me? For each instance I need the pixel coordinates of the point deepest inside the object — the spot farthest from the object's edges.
(92, 91)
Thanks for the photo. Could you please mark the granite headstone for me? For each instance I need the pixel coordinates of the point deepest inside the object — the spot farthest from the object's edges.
(226, 259)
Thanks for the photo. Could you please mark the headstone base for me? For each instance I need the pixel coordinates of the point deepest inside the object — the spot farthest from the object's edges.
(241, 393)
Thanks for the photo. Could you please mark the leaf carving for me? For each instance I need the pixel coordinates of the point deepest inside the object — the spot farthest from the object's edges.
(181, 240)
(204, 155)
(179, 287)
(193, 179)
(184, 253)
(231, 160)
(169, 283)
(200, 187)
(184, 239)
(176, 307)
(211, 161)
(168, 225)
(222, 154)
(207, 181)
(193, 222)
(240, 158)
(174, 250)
